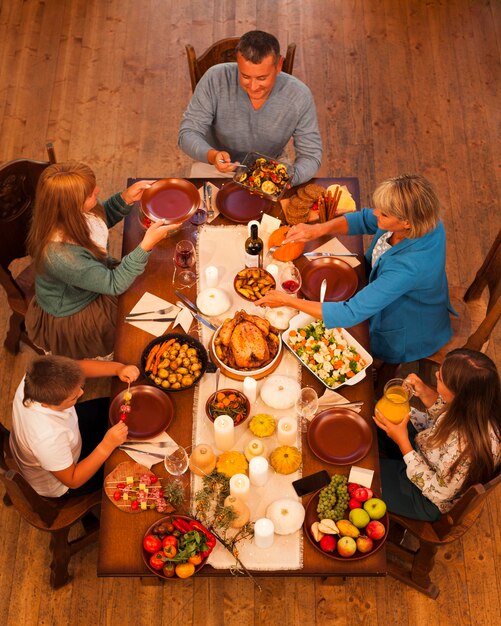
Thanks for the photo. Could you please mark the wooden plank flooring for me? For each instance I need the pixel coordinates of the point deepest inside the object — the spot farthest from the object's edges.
(400, 85)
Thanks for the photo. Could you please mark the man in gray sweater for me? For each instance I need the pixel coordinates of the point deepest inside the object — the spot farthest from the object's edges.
(251, 106)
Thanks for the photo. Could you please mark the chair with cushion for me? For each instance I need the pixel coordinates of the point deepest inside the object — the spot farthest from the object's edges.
(414, 566)
(223, 51)
(53, 515)
(18, 181)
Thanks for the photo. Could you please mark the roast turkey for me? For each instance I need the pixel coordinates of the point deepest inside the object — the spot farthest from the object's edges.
(246, 342)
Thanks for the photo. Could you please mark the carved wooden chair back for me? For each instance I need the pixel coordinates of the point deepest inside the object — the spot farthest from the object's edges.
(223, 51)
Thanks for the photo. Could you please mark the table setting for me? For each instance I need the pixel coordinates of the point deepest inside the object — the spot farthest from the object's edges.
(196, 310)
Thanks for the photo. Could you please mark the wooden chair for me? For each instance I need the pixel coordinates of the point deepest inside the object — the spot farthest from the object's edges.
(53, 515)
(413, 567)
(18, 181)
(223, 51)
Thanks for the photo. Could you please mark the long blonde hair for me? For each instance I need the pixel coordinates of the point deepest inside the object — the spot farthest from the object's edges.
(61, 193)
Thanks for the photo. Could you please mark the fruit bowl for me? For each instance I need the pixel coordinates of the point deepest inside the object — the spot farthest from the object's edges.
(312, 516)
(238, 408)
(157, 531)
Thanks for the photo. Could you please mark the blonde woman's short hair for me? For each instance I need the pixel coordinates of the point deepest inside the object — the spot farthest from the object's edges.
(409, 197)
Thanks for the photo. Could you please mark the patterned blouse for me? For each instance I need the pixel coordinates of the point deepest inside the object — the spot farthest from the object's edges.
(427, 466)
(382, 245)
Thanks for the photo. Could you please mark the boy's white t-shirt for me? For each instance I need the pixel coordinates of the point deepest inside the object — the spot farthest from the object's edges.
(43, 441)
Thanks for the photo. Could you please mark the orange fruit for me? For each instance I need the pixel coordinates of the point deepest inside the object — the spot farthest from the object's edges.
(185, 570)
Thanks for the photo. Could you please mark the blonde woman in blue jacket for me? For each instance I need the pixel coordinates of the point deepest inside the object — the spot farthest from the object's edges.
(406, 299)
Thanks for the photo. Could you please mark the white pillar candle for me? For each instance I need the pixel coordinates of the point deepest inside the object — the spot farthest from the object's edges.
(273, 269)
(240, 486)
(211, 276)
(287, 431)
(250, 388)
(258, 471)
(224, 432)
(264, 531)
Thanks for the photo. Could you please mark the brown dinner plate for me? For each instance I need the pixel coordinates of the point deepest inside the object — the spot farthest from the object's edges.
(151, 411)
(339, 436)
(171, 199)
(311, 516)
(239, 205)
(342, 280)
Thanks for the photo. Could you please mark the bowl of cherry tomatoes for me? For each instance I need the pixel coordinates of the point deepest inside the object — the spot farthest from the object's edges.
(177, 546)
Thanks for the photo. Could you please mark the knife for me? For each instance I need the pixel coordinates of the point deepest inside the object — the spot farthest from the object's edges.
(194, 310)
(197, 316)
(329, 254)
(149, 319)
(155, 454)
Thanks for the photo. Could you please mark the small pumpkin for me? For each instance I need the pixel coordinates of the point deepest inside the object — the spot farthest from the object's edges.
(286, 459)
(241, 510)
(231, 463)
(202, 460)
(287, 515)
(213, 301)
(262, 425)
(280, 392)
(254, 448)
(290, 251)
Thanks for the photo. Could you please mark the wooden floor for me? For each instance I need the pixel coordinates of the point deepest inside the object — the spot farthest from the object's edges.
(400, 86)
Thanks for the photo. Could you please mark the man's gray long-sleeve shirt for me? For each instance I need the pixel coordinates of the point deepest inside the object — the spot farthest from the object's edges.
(221, 116)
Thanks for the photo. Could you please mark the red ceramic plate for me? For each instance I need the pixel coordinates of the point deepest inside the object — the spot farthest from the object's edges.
(339, 436)
(170, 199)
(342, 280)
(151, 411)
(239, 205)
(147, 555)
(312, 516)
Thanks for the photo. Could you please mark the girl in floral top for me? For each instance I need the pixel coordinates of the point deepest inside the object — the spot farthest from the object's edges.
(455, 444)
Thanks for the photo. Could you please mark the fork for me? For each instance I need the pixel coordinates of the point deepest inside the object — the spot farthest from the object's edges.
(159, 312)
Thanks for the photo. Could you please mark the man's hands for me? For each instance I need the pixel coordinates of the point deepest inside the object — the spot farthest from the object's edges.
(220, 159)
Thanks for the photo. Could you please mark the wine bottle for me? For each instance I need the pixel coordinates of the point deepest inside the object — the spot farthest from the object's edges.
(254, 249)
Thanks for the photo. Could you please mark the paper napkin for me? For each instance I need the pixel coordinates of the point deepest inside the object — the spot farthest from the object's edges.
(145, 459)
(335, 246)
(184, 319)
(332, 398)
(213, 203)
(268, 225)
(150, 302)
(361, 476)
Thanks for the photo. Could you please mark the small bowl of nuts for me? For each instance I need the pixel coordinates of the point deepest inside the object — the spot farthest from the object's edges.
(174, 362)
(253, 283)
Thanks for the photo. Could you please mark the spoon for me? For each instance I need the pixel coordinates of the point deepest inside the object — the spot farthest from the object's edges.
(323, 289)
(218, 373)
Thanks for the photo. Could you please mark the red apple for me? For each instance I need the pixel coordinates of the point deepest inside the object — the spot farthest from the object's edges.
(375, 530)
(354, 504)
(328, 543)
(361, 494)
(352, 487)
(346, 546)
(364, 544)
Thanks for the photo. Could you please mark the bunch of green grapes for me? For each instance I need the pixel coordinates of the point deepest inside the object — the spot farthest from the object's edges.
(333, 500)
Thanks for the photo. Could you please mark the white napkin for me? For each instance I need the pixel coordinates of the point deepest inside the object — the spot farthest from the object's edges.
(335, 246)
(329, 398)
(184, 319)
(268, 225)
(150, 302)
(146, 459)
(213, 203)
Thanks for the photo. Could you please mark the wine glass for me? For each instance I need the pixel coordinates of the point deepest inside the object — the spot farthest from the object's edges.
(200, 215)
(306, 406)
(176, 462)
(184, 259)
(290, 279)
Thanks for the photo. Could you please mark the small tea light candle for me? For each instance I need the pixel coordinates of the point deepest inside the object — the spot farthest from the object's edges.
(273, 269)
(250, 388)
(287, 431)
(240, 486)
(211, 276)
(264, 531)
(224, 434)
(258, 471)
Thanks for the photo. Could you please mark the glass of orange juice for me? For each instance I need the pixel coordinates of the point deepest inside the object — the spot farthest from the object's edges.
(394, 404)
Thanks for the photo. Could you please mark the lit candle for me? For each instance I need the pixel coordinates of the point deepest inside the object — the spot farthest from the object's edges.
(250, 389)
(240, 486)
(287, 431)
(258, 471)
(224, 434)
(211, 276)
(264, 531)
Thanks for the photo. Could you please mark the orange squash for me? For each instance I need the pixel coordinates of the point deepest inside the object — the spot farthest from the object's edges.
(290, 251)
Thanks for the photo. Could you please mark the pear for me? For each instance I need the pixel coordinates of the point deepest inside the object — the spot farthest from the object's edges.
(347, 529)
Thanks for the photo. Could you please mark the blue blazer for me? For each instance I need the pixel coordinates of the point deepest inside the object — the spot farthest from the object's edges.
(407, 297)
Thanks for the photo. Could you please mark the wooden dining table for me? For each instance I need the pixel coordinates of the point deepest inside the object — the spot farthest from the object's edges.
(121, 533)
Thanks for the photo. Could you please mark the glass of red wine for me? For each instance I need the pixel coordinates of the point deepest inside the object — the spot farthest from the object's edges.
(184, 259)
(290, 279)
